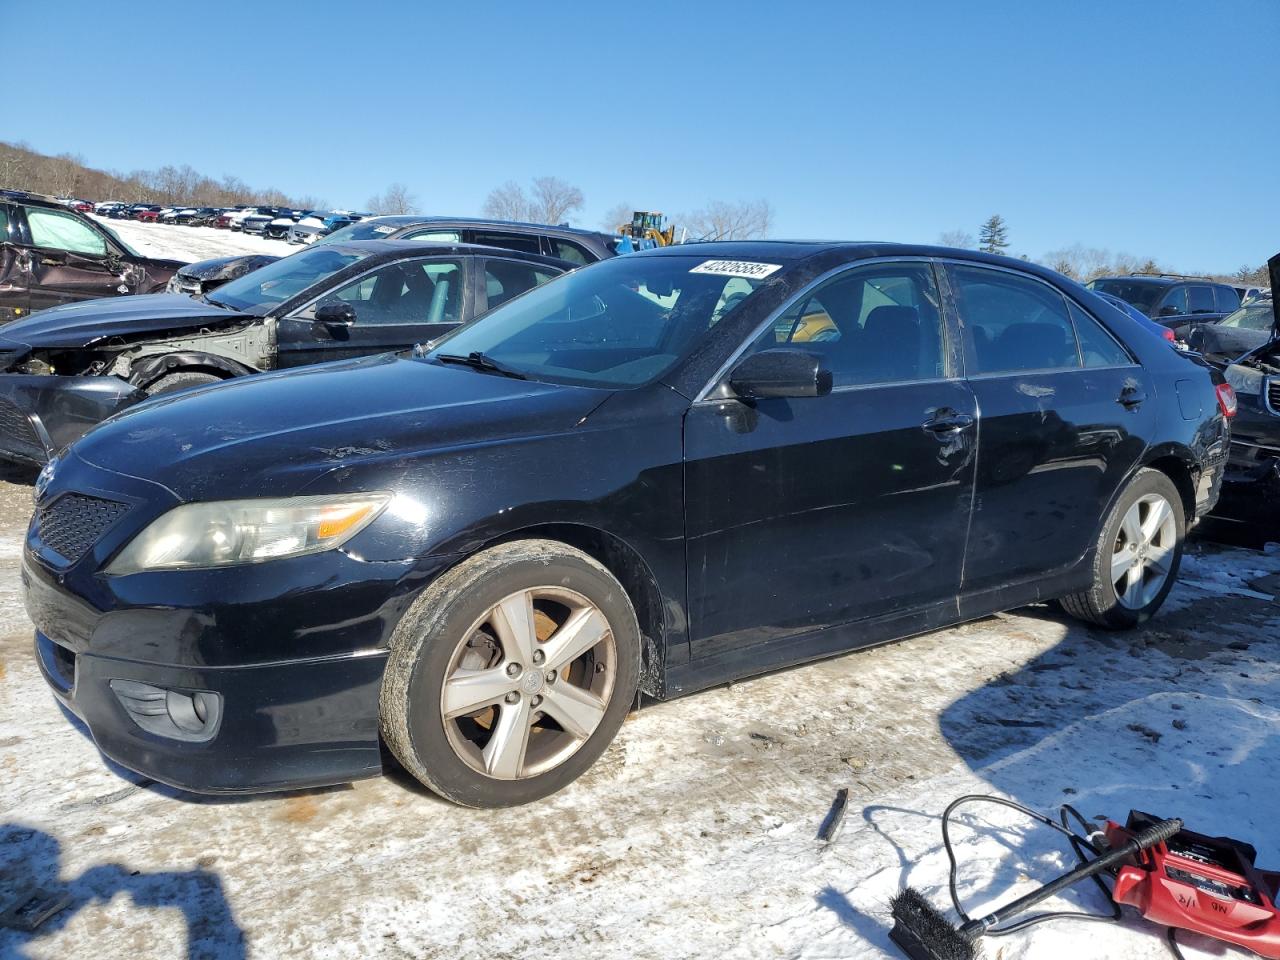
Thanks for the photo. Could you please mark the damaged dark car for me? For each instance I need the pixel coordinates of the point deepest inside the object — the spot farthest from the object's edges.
(51, 255)
(205, 276)
(654, 474)
(66, 369)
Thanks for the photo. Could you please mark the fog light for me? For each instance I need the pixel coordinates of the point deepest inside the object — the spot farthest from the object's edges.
(191, 715)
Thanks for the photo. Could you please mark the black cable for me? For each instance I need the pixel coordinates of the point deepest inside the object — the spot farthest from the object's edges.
(1078, 843)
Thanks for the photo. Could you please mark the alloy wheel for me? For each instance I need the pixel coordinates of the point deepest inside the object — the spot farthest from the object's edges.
(529, 683)
(1144, 551)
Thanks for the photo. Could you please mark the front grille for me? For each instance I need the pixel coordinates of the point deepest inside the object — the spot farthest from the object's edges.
(17, 433)
(1271, 388)
(73, 523)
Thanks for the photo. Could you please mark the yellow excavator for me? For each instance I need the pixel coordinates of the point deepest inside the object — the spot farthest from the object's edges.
(647, 230)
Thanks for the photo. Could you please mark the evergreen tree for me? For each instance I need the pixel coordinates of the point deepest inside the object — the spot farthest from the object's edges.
(994, 235)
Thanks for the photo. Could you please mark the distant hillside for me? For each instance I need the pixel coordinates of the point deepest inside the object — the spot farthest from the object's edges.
(67, 175)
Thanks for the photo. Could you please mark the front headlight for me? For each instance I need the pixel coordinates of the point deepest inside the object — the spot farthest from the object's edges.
(226, 532)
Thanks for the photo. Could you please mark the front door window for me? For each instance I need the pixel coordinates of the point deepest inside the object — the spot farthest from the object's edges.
(54, 230)
(420, 291)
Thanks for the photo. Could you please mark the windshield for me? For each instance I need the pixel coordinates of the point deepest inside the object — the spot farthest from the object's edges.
(1254, 316)
(1141, 294)
(363, 230)
(261, 290)
(618, 323)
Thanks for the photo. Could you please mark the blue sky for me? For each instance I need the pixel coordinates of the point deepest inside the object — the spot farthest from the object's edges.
(1145, 127)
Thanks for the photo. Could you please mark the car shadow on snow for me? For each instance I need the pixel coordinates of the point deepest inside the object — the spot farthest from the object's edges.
(1179, 718)
(31, 864)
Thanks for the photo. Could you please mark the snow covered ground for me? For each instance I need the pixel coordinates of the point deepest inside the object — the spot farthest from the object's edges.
(192, 243)
(696, 835)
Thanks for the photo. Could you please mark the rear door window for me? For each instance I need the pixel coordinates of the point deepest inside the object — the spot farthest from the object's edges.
(4, 225)
(508, 241)
(567, 250)
(504, 279)
(1174, 303)
(1227, 298)
(1013, 323)
(1200, 299)
(872, 324)
(54, 230)
(1098, 348)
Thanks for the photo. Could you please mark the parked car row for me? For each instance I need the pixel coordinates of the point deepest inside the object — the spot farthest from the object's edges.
(649, 474)
(281, 223)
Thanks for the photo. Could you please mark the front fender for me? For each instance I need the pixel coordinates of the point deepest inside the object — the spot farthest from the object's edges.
(147, 370)
(39, 415)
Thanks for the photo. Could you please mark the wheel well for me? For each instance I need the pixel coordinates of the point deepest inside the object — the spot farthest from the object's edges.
(632, 572)
(1177, 470)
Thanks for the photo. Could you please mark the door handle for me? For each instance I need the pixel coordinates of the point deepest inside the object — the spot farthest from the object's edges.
(1131, 397)
(946, 423)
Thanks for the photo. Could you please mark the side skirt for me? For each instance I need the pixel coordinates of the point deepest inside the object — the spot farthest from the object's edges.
(834, 641)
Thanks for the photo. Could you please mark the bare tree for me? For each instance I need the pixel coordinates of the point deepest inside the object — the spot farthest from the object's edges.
(720, 220)
(507, 202)
(550, 200)
(961, 239)
(395, 200)
(616, 215)
(554, 200)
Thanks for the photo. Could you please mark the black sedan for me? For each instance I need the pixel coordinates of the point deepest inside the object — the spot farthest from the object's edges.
(66, 369)
(657, 473)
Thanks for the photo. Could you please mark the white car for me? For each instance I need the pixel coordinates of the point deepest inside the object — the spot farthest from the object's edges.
(306, 230)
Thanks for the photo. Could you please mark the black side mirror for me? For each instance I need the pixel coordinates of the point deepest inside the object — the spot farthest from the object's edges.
(780, 373)
(336, 314)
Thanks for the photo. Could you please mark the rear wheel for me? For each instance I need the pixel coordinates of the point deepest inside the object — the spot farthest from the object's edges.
(181, 381)
(1137, 557)
(511, 674)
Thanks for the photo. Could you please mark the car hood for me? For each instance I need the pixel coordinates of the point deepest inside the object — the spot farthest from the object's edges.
(226, 268)
(275, 433)
(84, 324)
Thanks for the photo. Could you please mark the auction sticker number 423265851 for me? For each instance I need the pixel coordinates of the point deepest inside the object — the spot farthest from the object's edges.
(748, 269)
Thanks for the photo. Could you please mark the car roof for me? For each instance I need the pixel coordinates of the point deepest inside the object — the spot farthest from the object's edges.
(377, 250)
(35, 198)
(404, 220)
(788, 251)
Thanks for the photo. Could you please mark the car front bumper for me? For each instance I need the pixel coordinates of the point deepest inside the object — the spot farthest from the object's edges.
(280, 726)
(286, 656)
(39, 415)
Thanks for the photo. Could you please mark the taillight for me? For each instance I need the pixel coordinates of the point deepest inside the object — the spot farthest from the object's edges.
(1227, 399)
(1168, 335)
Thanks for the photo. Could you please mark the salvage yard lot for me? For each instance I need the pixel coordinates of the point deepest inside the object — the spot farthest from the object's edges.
(193, 243)
(695, 835)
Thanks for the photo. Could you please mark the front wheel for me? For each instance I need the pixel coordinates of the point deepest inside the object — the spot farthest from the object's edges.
(1137, 557)
(511, 674)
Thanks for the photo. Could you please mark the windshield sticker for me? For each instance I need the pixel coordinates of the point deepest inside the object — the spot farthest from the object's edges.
(748, 269)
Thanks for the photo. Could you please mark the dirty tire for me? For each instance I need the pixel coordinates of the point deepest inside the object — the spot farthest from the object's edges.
(1100, 605)
(428, 636)
(181, 381)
